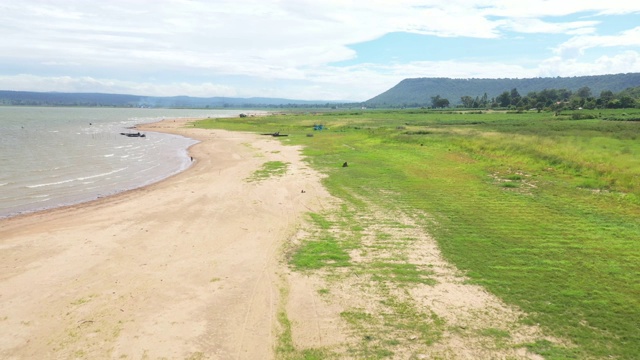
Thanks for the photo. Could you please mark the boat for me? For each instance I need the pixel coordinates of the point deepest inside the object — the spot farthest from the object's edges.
(133, 134)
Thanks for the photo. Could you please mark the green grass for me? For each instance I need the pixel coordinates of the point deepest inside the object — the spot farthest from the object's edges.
(541, 210)
(320, 221)
(399, 272)
(316, 254)
(269, 169)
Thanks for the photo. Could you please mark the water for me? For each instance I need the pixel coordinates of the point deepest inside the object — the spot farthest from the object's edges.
(51, 157)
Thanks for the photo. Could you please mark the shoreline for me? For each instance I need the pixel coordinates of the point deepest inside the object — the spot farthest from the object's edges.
(116, 192)
(166, 157)
(183, 266)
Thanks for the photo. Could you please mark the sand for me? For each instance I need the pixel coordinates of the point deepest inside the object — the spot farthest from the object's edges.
(189, 267)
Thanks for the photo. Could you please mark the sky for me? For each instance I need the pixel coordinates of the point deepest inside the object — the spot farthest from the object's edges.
(344, 50)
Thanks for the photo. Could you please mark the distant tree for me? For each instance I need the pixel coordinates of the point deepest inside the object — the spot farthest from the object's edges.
(515, 96)
(606, 96)
(467, 101)
(476, 102)
(584, 92)
(627, 102)
(614, 104)
(484, 101)
(633, 92)
(435, 100)
(504, 99)
(548, 96)
(590, 104)
(563, 95)
(576, 102)
(439, 102)
(523, 103)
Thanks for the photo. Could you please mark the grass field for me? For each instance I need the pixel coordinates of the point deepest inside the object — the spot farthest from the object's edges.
(541, 210)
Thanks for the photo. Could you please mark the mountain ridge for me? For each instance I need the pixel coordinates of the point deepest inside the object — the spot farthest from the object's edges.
(419, 91)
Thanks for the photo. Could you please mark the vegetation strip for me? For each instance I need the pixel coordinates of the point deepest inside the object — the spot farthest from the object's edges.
(269, 169)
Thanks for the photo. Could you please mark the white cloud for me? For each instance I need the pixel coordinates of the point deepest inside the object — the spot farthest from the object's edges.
(577, 45)
(624, 62)
(149, 47)
(532, 26)
(28, 82)
(544, 8)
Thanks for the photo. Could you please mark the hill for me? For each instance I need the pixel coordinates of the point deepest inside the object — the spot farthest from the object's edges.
(418, 91)
(123, 100)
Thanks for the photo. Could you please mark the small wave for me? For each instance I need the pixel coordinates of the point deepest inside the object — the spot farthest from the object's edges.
(100, 175)
(147, 169)
(39, 196)
(49, 184)
(71, 180)
(3, 184)
(109, 155)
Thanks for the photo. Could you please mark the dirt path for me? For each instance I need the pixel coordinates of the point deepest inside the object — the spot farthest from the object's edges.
(186, 268)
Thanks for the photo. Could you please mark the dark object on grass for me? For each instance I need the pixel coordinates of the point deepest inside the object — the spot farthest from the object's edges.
(277, 133)
(345, 164)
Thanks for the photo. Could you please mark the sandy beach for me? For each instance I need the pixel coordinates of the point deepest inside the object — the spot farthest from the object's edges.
(189, 267)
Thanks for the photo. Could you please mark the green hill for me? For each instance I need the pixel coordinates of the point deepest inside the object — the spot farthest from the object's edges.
(418, 92)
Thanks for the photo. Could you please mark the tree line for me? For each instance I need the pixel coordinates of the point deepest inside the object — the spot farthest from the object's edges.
(554, 99)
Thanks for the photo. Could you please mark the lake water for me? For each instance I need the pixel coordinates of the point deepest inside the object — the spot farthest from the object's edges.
(51, 157)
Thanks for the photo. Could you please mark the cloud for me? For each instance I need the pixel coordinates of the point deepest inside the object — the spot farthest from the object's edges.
(330, 82)
(577, 45)
(552, 8)
(28, 82)
(282, 48)
(532, 26)
(624, 62)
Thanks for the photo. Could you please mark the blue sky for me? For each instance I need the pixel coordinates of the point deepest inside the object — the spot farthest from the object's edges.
(304, 49)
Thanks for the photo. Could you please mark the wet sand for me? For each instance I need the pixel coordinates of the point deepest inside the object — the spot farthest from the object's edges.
(187, 267)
